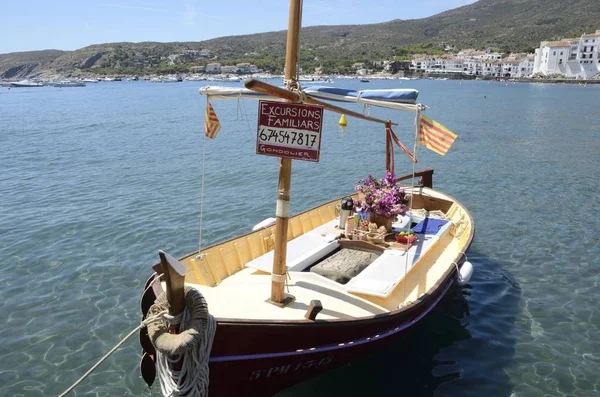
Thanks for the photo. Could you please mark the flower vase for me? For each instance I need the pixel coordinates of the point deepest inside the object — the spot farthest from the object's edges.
(381, 220)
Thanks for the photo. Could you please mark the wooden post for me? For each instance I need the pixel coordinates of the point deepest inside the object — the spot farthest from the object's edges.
(278, 296)
(174, 273)
(175, 280)
(313, 309)
(427, 179)
(389, 148)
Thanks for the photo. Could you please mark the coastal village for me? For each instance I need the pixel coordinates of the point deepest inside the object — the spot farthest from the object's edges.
(568, 59)
(573, 58)
(576, 58)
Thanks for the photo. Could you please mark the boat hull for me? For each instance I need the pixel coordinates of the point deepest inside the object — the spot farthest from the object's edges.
(263, 374)
(262, 358)
(26, 85)
(63, 85)
(266, 356)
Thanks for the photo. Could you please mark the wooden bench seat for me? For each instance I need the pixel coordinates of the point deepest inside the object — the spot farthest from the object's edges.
(383, 275)
(302, 251)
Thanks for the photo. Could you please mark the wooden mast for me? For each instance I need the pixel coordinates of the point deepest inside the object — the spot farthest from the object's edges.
(279, 272)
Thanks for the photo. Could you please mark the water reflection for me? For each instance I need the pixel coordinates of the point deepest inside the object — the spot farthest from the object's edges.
(460, 349)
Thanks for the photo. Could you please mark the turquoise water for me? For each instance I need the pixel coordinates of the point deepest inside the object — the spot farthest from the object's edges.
(95, 180)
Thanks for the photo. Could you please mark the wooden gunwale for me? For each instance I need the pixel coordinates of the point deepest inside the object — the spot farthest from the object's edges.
(375, 318)
(424, 173)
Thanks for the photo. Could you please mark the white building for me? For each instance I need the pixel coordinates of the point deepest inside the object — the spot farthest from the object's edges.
(422, 64)
(492, 68)
(477, 63)
(229, 69)
(213, 68)
(510, 67)
(481, 55)
(551, 57)
(473, 67)
(572, 58)
(526, 66)
(244, 67)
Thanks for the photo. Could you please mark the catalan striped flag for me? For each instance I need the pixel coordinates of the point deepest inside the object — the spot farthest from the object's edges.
(211, 122)
(434, 136)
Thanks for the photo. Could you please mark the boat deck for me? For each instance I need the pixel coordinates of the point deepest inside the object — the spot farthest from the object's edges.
(243, 295)
(234, 277)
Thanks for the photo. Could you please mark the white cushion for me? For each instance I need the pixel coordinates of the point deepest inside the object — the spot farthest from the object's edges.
(302, 251)
(381, 276)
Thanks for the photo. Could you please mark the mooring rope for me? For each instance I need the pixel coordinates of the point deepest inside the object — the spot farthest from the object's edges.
(143, 324)
(189, 349)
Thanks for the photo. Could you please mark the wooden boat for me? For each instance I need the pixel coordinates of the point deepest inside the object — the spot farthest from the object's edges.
(264, 344)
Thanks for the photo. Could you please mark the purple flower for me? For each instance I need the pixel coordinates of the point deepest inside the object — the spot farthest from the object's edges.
(382, 197)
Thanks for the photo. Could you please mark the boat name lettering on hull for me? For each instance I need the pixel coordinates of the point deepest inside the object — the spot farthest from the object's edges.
(289, 368)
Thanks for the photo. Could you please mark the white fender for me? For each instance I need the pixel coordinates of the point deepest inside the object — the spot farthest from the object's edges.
(464, 274)
(264, 224)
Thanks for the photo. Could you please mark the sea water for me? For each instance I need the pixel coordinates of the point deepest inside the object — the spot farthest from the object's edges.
(95, 180)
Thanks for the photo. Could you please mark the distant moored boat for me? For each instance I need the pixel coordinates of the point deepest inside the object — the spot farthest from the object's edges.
(69, 83)
(26, 83)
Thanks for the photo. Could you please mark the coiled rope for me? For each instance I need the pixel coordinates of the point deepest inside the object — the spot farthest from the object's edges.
(189, 349)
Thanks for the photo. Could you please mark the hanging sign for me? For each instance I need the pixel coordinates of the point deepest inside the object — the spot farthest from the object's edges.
(289, 130)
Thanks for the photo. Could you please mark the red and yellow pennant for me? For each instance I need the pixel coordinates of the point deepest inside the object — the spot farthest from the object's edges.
(434, 136)
(392, 137)
(211, 122)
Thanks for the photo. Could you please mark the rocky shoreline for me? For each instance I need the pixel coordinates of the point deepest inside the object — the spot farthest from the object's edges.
(51, 78)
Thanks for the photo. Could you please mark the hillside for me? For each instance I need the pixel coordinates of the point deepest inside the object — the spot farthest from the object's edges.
(509, 25)
(25, 63)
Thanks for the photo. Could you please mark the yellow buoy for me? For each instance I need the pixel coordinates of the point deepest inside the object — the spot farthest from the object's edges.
(343, 121)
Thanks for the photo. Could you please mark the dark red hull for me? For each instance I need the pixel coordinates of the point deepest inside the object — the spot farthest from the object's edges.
(326, 345)
(262, 358)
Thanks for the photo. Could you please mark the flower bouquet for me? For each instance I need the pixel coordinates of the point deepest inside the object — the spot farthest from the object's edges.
(382, 199)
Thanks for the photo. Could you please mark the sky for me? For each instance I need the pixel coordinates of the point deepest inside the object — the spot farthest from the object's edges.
(28, 25)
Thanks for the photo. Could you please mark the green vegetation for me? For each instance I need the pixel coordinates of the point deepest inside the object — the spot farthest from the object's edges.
(506, 25)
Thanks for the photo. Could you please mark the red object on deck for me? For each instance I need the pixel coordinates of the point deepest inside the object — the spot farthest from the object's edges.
(405, 239)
